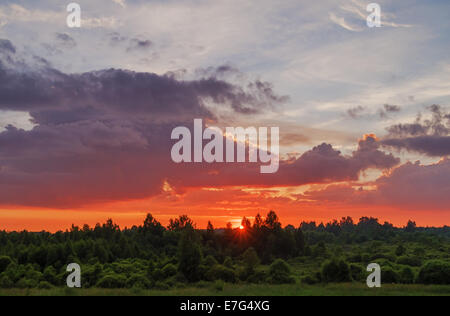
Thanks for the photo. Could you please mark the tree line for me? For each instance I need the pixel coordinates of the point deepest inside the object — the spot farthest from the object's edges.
(263, 251)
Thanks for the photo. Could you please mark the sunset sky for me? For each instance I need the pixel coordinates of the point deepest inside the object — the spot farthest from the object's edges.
(86, 114)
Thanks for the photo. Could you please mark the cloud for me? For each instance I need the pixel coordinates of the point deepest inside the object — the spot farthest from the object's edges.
(355, 112)
(137, 44)
(426, 136)
(65, 40)
(411, 186)
(343, 23)
(103, 135)
(387, 109)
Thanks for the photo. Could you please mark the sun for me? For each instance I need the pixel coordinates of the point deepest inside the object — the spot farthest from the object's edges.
(241, 227)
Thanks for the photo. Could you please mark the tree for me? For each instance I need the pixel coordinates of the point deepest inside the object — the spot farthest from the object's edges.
(280, 273)
(411, 227)
(300, 241)
(190, 255)
(272, 222)
(251, 260)
(4, 263)
(181, 223)
(336, 270)
(152, 226)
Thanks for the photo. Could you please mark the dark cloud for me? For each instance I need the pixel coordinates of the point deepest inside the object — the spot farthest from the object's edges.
(104, 135)
(7, 46)
(137, 44)
(411, 186)
(322, 164)
(355, 112)
(426, 136)
(65, 40)
(388, 109)
(392, 108)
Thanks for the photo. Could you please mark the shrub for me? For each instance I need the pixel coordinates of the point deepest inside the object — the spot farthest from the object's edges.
(50, 275)
(219, 285)
(5, 282)
(228, 262)
(169, 270)
(112, 281)
(251, 259)
(409, 261)
(4, 263)
(220, 272)
(434, 272)
(335, 271)
(400, 251)
(210, 261)
(280, 273)
(310, 280)
(406, 276)
(257, 277)
(44, 285)
(356, 272)
(138, 281)
(388, 275)
(161, 286)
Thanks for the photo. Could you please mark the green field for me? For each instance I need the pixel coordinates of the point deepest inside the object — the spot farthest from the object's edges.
(347, 289)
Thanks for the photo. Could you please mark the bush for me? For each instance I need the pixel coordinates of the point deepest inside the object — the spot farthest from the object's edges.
(5, 282)
(112, 281)
(4, 263)
(44, 285)
(210, 261)
(409, 261)
(357, 272)
(257, 277)
(406, 276)
(251, 259)
(220, 272)
(161, 286)
(388, 275)
(138, 281)
(310, 280)
(434, 272)
(228, 262)
(335, 271)
(169, 270)
(219, 285)
(280, 273)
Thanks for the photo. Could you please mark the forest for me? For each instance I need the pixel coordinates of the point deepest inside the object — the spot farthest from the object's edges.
(263, 252)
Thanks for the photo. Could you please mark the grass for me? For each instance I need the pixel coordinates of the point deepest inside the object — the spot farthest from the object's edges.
(347, 289)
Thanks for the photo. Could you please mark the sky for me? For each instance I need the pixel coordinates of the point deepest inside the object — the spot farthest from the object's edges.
(86, 113)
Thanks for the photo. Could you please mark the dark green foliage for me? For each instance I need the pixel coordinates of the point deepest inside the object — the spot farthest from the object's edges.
(406, 275)
(357, 272)
(400, 251)
(388, 275)
(434, 272)
(4, 263)
(335, 271)
(112, 281)
(169, 270)
(280, 273)
(251, 260)
(154, 257)
(190, 255)
(410, 261)
(220, 272)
